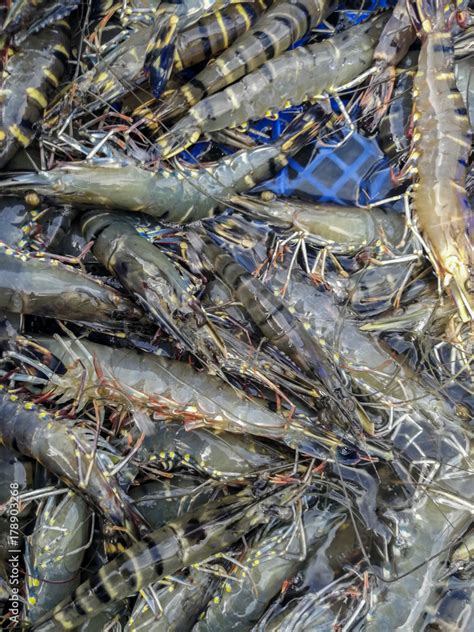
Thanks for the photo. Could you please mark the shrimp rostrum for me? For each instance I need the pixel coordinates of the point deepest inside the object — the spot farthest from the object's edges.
(163, 288)
(396, 38)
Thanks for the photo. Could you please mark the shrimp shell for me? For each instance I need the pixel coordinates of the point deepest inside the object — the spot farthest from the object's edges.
(169, 388)
(44, 287)
(290, 79)
(216, 32)
(342, 229)
(183, 542)
(158, 383)
(28, 79)
(56, 550)
(442, 143)
(179, 196)
(273, 33)
(32, 431)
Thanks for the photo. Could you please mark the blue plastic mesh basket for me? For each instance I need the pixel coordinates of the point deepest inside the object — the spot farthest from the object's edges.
(352, 173)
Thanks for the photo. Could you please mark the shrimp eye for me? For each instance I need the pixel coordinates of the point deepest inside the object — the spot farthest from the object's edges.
(297, 581)
(462, 18)
(32, 198)
(347, 455)
(462, 412)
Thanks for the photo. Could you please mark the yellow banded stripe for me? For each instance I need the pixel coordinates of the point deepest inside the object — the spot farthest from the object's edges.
(59, 48)
(233, 98)
(16, 132)
(222, 27)
(445, 75)
(188, 94)
(177, 61)
(459, 141)
(173, 25)
(103, 76)
(51, 77)
(244, 15)
(37, 96)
